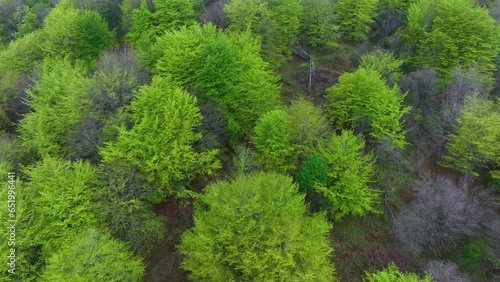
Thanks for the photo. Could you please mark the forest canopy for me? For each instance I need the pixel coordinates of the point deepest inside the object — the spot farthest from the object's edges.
(250, 140)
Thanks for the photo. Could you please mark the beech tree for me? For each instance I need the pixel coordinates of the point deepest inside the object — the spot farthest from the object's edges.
(255, 228)
(475, 145)
(272, 140)
(173, 14)
(448, 33)
(362, 96)
(354, 17)
(318, 27)
(276, 22)
(161, 141)
(67, 32)
(122, 204)
(349, 172)
(392, 273)
(308, 128)
(94, 256)
(140, 34)
(59, 102)
(245, 89)
(54, 204)
(384, 63)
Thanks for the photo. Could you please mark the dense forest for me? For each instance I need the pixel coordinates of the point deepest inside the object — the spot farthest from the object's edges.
(250, 140)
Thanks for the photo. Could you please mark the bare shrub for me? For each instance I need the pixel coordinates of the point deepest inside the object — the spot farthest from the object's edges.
(444, 213)
(445, 271)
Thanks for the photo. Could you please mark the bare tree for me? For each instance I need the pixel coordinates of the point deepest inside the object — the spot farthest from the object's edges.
(464, 83)
(445, 271)
(443, 213)
(214, 13)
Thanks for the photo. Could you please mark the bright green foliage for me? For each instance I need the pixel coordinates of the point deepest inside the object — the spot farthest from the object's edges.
(313, 172)
(349, 172)
(451, 32)
(28, 23)
(140, 35)
(272, 140)
(277, 22)
(67, 32)
(197, 57)
(476, 143)
(257, 90)
(21, 54)
(308, 127)
(127, 7)
(161, 141)
(364, 95)
(219, 71)
(392, 273)
(5, 168)
(93, 256)
(318, 26)
(354, 17)
(385, 63)
(173, 14)
(180, 53)
(59, 102)
(418, 19)
(286, 15)
(60, 202)
(256, 229)
(92, 36)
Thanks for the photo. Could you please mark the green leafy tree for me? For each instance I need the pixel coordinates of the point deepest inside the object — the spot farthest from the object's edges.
(61, 198)
(27, 24)
(53, 205)
(196, 57)
(127, 7)
(308, 127)
(318, 27)
(141, 35)
(272, 140)
(94, 257)
(67, 32)
(180, 52)
(277, 22)
(392, 273)
(349, 172)
(313, 172)
(363, 96)
(354, 17)
(218, 75)
(257, 90)
(256, 229)
(385, 63)
(121, 202)
(59, 102)
(161, 141)
(92, 36)
(17, 59)
(476, 144)
(173, 14)
(448, 33)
